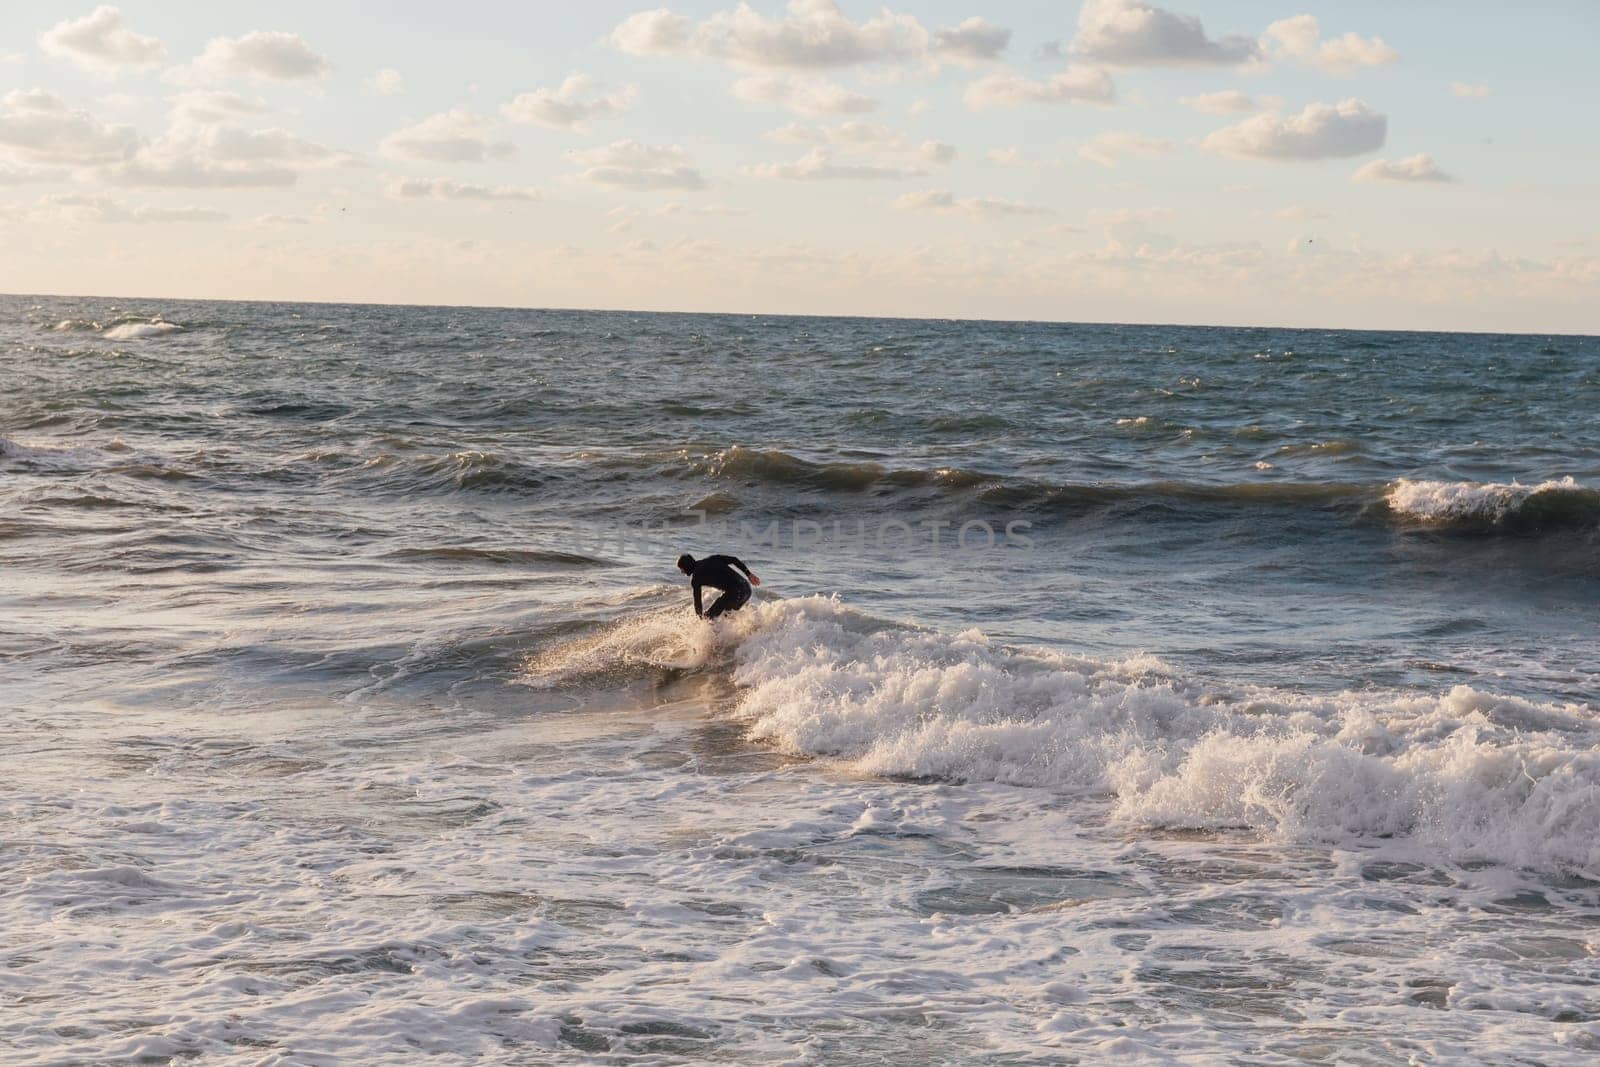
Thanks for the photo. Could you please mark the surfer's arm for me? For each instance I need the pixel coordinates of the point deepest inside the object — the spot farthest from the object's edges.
(737, 562)
(697, 610)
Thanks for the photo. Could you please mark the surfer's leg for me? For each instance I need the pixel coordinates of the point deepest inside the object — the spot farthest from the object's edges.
(732, 600)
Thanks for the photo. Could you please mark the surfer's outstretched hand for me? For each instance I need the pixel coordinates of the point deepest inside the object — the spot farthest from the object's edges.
(754, 580)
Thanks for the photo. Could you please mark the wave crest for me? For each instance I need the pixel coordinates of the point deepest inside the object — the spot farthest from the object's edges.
(1483, 505)
(134, 331)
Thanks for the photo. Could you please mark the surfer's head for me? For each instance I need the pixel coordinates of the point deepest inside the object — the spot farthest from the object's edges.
(686, 563)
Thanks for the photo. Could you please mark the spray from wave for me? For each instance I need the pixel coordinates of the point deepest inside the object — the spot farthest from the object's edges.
(1464, 776)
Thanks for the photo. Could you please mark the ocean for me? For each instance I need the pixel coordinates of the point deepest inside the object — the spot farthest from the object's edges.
(1135, 693)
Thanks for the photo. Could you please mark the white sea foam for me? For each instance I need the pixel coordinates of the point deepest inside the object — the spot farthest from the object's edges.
(1447, 502)
(1467, 775)
(133, 331)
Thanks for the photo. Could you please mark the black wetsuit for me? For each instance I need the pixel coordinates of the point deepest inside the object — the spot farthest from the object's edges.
(718, 572)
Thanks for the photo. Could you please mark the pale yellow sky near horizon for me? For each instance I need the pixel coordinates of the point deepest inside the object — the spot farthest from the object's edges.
(1213, 162)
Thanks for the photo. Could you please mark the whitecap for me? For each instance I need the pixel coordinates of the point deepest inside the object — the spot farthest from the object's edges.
(1466, 775)
(133, 331)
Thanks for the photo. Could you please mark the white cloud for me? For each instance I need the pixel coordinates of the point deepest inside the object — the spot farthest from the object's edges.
(1468, 91)
(454, 136)
(569, 105)
(638, 167)
(864, 137)
(1321, 131)
(1300, 213)
(262, 55)
(700, 210)
(27, 175)
(1226, 102)
(206, 107)
(1014, 157)
(445, 189)
(977, 208)
(1297, 38)
(1132, 33)
(846, 133)
(100, 42)
(1417, 168)
(976, 40)
(658, 32)
(804, 96)
(75, 207)
(819, 165)
(1008, 88)
(223, 157)
(815, 35)
(1106, 148)
(38, 127)
(386, 82)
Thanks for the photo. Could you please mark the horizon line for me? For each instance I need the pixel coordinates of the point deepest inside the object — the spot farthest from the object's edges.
(804, 315)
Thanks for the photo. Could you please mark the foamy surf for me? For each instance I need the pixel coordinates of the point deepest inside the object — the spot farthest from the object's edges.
(1466, 775)
(136, 331)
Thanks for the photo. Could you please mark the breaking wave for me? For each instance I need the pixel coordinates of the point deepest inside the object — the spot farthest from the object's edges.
(134, 331)
(1495, 505)
(1464, 775)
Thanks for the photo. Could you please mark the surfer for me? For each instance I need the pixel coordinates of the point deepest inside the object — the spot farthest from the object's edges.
(719, 573)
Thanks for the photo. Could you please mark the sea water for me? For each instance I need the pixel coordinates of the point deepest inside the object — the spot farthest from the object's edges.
(1155, 693)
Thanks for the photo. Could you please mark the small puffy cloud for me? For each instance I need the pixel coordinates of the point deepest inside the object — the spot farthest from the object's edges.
(386, 82)
(814, 35)
(652, 33)
(1226, 102)
(1132, 33)
(100, 42)
(454, 136)
(1321, 131)
(263, 55)
(977, 208)
(39, 127)
(1468, 91)
(1106, 148)
(75, 207)
(819, 165)
(1417, 168)
(445, 189)
(638, 167)
(1298, 39)
(569, 105)
(209, 107)
(976, 40)
(1300, 213)
(804, 96)
(1008, 88)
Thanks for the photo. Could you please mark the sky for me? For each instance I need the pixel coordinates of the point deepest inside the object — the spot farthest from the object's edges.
(1426, 165)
